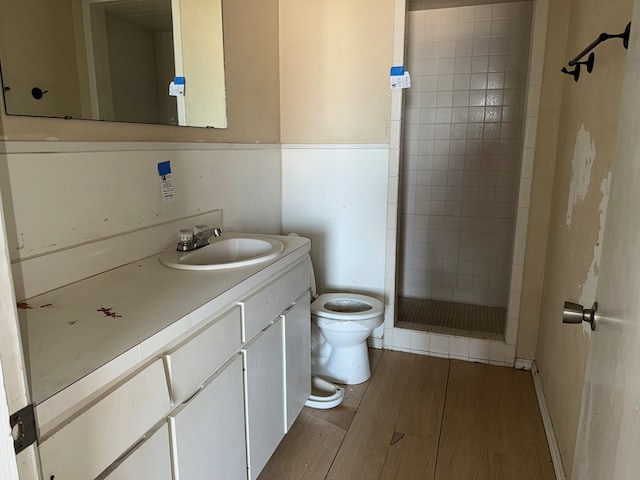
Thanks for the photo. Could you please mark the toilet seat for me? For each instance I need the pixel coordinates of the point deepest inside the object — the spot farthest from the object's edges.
(346, 306)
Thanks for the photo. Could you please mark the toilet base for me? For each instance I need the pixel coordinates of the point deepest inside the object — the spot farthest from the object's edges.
(348, 365)
(324, 395)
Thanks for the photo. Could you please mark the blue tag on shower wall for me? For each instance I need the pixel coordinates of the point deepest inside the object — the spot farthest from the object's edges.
(177, 86)
(399, 78)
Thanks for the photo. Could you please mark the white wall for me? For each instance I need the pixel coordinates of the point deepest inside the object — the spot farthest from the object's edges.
(60, 195)
(8, 467)
(337, 196)
(12, 386)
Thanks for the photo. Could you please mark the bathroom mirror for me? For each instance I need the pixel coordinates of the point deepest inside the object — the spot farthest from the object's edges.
(114, 60)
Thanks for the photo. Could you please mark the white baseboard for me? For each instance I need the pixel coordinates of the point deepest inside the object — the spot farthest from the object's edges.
(374, 342)
(523, 364)
(558, 467)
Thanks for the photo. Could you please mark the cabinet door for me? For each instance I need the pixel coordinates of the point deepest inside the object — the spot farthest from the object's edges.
(264, 371)
(209, 432)
(297, 334)
(152, 459)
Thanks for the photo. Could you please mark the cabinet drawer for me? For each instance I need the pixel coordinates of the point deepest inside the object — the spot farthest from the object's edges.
(190, 364)
(94, 439)
(269, 302)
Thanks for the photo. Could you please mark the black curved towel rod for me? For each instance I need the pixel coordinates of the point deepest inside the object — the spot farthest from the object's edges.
(601, 38)
(575, 62)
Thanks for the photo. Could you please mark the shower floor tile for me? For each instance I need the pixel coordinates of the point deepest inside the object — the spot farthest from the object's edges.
(451, 318)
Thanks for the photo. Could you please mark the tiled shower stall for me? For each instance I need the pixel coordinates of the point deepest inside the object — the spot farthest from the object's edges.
(462, 147)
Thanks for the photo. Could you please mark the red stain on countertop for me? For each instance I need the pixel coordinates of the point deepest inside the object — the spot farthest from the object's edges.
(26, 306)
(108, 312)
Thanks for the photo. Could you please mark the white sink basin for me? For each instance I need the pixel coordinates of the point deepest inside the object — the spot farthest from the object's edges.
(231, 250)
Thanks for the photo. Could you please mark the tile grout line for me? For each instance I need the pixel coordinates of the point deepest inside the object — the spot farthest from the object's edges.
(444, 406)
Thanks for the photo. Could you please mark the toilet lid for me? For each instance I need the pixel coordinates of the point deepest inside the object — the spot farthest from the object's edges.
(346, 306)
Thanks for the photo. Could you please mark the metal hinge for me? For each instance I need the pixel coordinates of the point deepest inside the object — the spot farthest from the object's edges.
(23, 428)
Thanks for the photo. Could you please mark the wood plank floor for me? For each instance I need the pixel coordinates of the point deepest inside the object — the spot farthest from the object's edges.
(421, 418)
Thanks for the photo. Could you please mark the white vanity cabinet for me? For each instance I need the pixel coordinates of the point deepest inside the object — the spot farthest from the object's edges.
(277, 361)
(208, 396)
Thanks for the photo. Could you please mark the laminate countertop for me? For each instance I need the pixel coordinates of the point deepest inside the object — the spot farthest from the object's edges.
(127, 314)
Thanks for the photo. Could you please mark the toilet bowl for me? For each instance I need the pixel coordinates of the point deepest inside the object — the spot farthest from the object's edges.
(341, 324)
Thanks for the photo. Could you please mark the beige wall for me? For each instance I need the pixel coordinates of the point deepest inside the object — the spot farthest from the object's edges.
(133, 69)
(33, 21)
(335, 57)
(198, 52)
(251, 70)
(575, 148)
(166, 70)
(543, 178)
(334, 72)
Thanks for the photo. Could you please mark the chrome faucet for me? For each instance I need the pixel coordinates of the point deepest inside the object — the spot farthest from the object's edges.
(198, 237)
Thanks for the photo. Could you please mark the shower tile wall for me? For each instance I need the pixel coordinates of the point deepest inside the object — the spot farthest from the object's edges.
(461, 150)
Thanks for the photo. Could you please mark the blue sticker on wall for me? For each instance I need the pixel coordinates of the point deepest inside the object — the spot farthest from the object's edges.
(164, 168)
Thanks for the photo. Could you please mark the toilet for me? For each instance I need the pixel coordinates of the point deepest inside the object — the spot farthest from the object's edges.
(341, 324)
